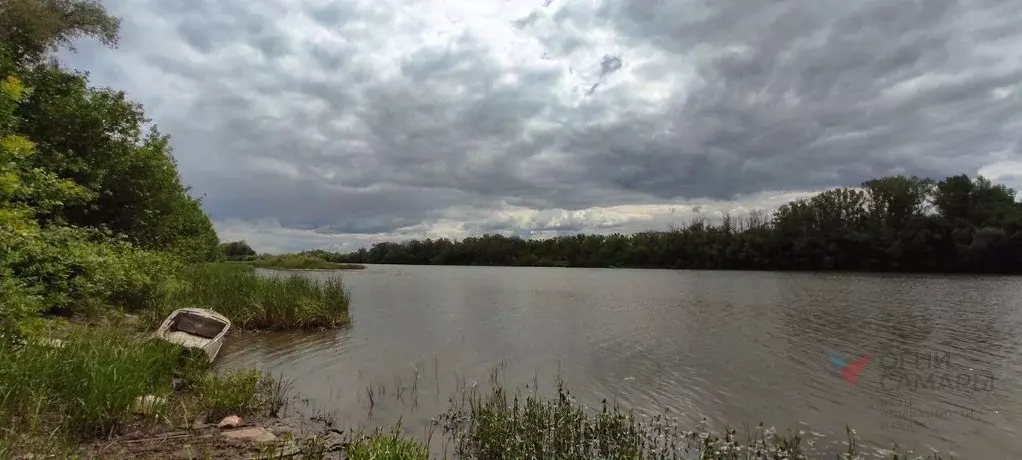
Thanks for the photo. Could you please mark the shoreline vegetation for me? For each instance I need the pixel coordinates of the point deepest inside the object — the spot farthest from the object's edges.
(498, 423)
(255, 302)
(99, 241)
(890, 224)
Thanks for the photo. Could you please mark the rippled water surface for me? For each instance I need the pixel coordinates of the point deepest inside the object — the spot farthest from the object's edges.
(734, 347)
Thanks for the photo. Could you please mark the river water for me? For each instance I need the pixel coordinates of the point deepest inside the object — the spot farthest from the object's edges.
(945, 366)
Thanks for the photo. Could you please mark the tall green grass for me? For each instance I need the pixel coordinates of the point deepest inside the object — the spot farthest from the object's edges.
(244, 392)
(252, 301)
(385, 446)
(87, 387)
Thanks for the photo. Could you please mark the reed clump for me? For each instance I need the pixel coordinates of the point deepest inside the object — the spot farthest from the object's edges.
(385, 446)
(498, 424)
(253, 301)
(243, 392)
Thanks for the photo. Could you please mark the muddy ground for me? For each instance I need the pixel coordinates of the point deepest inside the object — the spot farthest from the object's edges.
(296, 437)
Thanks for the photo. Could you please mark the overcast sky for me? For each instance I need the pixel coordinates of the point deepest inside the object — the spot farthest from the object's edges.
(335, 124)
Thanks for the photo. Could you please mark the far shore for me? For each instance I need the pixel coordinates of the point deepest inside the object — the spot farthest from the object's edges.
(325, 267)
(296, 262)
(330, 269)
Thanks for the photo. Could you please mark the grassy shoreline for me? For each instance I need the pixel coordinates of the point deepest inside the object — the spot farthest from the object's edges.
(59, 398)
(103, 381)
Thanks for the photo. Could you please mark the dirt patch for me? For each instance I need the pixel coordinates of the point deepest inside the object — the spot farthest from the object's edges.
(296, 437)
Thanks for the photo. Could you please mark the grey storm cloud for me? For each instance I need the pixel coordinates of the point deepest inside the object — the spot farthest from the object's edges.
(369, 117)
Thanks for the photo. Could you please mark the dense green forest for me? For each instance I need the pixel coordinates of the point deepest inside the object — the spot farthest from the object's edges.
(898, 223)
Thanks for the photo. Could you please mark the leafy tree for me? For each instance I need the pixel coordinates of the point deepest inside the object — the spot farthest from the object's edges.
(32, 28)
(92, 211)
(954, 196)
(97, 137)
(25, 191)
(237, 250)
(895, 200)
(101, 140)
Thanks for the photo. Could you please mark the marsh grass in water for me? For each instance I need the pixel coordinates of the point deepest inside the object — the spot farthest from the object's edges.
(485, 422)
(253, 301)
(497, 424)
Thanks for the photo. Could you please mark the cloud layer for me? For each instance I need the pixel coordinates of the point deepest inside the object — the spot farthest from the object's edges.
(313, 123)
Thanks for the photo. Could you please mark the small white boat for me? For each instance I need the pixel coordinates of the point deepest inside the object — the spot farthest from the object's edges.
(196, 328)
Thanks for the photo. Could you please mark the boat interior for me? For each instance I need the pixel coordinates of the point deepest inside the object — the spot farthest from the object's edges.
(199, 325)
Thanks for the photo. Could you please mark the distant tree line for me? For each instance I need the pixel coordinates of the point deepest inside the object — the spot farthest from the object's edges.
(237, 250)
(896, 223)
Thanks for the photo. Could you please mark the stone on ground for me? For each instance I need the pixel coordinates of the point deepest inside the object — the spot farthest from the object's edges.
(231, 421)
(255, 434)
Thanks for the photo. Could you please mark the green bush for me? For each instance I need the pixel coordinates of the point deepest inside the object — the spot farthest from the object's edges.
(236, 250)
(26, 194)
(17, 305)
(86, 270)
(386, 446)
